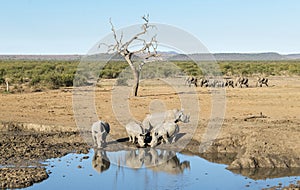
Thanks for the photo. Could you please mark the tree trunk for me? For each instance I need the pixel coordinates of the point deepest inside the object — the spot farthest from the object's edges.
(136, 75)
(7, 86)
(137, 82)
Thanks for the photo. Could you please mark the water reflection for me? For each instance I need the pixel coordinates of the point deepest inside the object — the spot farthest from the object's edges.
(168, 162)
(149, 168)
(265, 173)
(100, 161)
(156, 160)
(135, 158)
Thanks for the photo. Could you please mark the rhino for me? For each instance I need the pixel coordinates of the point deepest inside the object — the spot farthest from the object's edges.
(167, 131)
(100, 130)
(135, 131)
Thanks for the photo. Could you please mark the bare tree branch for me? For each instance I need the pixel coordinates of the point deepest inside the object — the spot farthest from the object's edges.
(148, 48)
(123, 48)
(121, 38)
(151, 46)
(145, 27)
(146, 18)
(110, 48)
(117, 46)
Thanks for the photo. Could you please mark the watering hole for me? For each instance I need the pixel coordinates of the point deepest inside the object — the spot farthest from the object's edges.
(152, 169)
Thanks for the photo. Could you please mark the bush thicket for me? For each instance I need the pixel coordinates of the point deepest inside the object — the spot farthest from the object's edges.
(55, 74)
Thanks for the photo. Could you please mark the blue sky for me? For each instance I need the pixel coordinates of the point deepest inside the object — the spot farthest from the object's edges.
(74, 26)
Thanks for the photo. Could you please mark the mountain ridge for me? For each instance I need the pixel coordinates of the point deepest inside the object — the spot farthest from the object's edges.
(171, 56)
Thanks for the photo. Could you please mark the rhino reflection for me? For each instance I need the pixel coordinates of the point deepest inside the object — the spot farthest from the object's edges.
(135, 158)
(100, 161)
(168, 162)
(156, 160)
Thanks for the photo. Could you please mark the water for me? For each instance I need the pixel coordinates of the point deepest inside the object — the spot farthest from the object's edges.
(76, 171)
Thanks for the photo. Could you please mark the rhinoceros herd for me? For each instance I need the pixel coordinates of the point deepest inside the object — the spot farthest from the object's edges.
(154, 129)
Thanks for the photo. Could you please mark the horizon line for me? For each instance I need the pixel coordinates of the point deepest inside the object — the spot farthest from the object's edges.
(82, 54)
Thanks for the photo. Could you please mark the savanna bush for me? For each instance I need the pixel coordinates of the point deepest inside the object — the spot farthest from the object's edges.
(55, 73)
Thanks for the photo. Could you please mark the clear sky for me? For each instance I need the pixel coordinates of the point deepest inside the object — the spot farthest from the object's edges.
(74, 26)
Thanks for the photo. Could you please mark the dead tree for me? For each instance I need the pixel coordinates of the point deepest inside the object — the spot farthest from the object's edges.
(148, 49)
(7, 81)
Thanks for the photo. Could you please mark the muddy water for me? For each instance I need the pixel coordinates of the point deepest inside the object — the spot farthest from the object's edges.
(136, 170)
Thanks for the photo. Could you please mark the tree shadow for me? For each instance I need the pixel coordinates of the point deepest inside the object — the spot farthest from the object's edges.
(173, 93)
(125, 139)
(180, 135)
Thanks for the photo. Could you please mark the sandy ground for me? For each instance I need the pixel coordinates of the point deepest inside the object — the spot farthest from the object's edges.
(271, 142)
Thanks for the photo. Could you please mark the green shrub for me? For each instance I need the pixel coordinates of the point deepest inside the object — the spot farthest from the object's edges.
(67, 80)
(106, 74)
(55, 80)
(55, 74)
(35, 80)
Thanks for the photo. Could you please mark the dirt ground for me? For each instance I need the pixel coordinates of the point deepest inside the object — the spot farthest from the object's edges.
(271, 142)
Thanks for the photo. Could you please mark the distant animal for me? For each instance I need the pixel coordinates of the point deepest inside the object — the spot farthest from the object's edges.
(167, 130)
(100, 161)
(219, 83)
(240, 81)
(135, 132)
(191, 80)
(261, 81)
(155, 119)
(214, 83)
(229, 82)
(100, 130)
(204, 82)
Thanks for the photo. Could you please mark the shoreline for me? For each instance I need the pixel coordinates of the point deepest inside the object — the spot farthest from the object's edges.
(48, 143)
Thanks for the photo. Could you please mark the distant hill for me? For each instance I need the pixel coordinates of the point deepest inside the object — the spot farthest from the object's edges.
(293, 56)
(249, 56)
(101, 56)
(40, 57)
(234, 56)
(172, 56)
